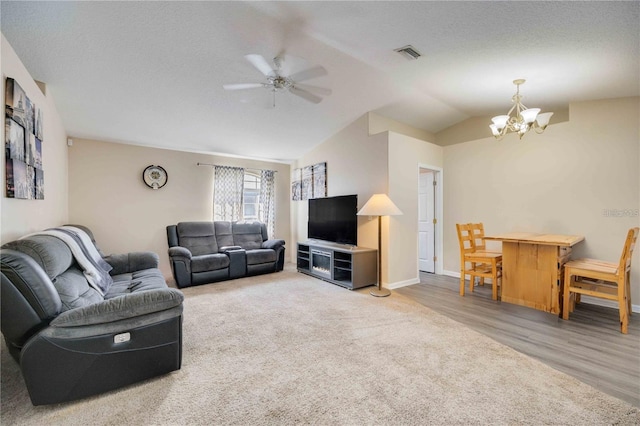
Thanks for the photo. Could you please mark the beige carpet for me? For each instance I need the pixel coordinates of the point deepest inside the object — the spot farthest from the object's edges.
(285, 348)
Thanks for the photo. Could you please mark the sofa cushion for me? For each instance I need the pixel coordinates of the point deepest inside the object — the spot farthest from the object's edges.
(247, 235)
(255, 257)
(224, 233)
(145, 279)
(121, 308)
(198, 237)
(209, 262)
(74, 290)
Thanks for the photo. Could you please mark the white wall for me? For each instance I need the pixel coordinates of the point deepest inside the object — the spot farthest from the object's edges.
(379, 124)
(356, 164)
(107, 194)
(20, 217)
(559, 182)
(406, 154)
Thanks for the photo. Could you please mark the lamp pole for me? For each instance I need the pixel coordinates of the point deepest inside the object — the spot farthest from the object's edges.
(380, 291)
(379, 205)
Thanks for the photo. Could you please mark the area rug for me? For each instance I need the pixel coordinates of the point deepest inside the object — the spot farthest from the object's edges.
(285, 348)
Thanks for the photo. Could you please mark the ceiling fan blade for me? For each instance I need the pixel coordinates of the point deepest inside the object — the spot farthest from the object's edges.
(261, 64)
(319, 90)
(305, 95)
(308, 74)
(242, 86)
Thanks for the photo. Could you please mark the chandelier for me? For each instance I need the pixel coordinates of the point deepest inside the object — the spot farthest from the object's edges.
(522, 121)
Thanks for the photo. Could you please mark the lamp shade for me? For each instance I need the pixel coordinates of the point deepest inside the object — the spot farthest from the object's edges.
(543, 119)
(500, 121)
(379, 205)
(529, 115)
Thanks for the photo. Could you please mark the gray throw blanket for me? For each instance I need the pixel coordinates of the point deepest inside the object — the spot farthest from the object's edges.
(95, 269)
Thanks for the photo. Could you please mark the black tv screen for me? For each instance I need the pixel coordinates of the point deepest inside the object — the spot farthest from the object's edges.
(334, 219)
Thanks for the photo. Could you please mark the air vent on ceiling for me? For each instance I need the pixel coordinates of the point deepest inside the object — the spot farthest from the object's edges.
(409, 52)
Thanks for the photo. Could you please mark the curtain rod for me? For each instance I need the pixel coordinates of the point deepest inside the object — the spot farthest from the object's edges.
(246, 168)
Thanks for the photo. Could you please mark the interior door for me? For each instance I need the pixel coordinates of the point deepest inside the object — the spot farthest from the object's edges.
(426, 227)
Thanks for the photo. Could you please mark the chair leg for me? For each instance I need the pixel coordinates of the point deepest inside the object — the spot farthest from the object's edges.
(462, 274)
(472, 282)
(622, 305)
(494, 281)
(566, 293)
(628, 287)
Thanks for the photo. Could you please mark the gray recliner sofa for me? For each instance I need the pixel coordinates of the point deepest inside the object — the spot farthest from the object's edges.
(70, 340)
(206, 252)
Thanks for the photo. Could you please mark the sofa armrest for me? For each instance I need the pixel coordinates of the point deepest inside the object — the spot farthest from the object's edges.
(272, 244)
(132, 262)
(179, 253)
(225, 249)
(123, 307)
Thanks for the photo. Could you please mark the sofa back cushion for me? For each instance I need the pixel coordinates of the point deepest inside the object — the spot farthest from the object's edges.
(247, 235)
(56, 260)
(198, 237)
(51, 253)
(224, 233)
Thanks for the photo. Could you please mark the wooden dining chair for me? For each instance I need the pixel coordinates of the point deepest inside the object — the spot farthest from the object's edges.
(477, 230)
(482, 264)
(598, 278)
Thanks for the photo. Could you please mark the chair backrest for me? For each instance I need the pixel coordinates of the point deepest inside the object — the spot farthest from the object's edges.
(477, 231)
(198, 237)
(248, 235)
(627, 251)
(465, 239)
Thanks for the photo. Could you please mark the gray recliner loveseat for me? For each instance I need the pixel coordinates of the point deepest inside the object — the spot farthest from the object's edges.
(206, 252)
(72, 339)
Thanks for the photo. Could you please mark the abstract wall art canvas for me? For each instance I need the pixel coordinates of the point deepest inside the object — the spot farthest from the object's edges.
(23, 145)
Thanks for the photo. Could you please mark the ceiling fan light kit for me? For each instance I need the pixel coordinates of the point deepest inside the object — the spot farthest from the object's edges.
(277, 82)
(524, 119)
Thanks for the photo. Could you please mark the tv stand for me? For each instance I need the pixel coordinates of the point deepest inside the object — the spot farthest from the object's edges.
(347, 266)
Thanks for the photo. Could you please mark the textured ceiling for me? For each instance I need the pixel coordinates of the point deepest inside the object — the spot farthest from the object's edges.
(151, 73)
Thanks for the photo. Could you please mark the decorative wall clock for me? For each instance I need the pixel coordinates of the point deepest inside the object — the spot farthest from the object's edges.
(155, 177)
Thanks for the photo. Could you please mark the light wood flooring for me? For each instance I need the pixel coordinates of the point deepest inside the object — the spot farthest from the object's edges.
(589, 346)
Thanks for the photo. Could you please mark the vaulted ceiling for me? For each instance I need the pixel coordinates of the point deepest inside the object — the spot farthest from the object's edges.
(151, 73)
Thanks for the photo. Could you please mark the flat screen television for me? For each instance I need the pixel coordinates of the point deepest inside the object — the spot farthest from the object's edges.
(334, 219)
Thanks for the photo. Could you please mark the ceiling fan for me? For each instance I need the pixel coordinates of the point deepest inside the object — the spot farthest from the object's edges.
(277, 81)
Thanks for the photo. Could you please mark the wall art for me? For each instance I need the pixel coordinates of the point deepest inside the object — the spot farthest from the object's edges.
(23, 145)
(319, 180)
(309, 182)
(296, 185)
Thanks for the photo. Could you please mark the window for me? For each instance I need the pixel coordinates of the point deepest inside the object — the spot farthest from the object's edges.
(239, 194)
(251, 207)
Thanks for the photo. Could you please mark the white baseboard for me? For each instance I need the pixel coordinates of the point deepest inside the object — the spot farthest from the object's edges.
(606, 303)
(404, 283)
(455, 274)
(584, 299)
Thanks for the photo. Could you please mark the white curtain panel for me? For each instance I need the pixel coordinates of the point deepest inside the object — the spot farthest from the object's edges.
(227, 193)
(268, 199)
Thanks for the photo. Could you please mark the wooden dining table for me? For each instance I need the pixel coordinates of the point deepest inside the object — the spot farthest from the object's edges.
(532, 268)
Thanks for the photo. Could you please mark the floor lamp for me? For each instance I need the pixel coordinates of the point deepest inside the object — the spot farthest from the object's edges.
(379, 205)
